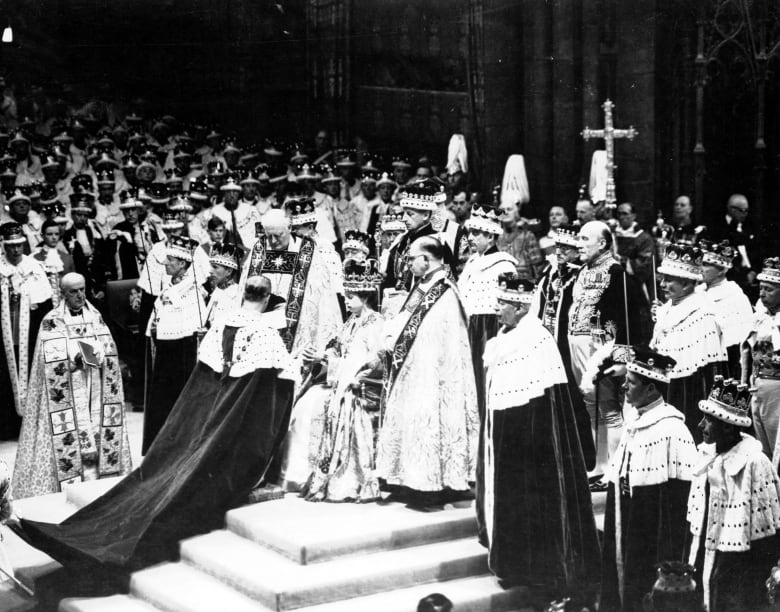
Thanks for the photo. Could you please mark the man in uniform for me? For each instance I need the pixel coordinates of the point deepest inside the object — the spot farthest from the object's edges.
(73, 426)
(552, 301)
(25, 297)
(599, 318)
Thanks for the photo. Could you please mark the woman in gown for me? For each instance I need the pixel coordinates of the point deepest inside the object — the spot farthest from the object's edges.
(331, 444)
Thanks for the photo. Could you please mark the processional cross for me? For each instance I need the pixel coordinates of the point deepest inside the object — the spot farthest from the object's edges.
(609, 134)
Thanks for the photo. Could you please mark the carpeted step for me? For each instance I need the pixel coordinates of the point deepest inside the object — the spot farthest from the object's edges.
(474, 594)
(114, 603)
(176, 587)
(281, 584)
(308, 532)
(81, 494)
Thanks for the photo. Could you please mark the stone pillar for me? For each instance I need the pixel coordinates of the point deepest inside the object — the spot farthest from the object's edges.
(635, 102)
(538, 100)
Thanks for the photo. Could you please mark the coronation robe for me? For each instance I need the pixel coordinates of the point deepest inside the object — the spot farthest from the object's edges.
(429, 436)
(223, 302)
(73, 426)
(537, 506)
(649, 481)
(735, 318)
(25, 297)
(218, 443)
(339, 421)
(478, 288)
(689, 333)
(734, 516)
(301, 276)
(173, 327)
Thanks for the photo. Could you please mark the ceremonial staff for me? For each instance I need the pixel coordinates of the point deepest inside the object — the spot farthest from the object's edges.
(197, 294)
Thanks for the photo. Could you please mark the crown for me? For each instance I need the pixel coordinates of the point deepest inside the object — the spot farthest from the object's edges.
(327, 175)
(401, 161)
(49, 195)
(249, 177)
(729, 401)
(12, 233)
(82, 182)
(301, 210)
(181, 247)
(306, 171)
(484, 219)
(674, 577)
(81, 202)
(179, 203)
(230, 184)
(567, 235)
(105, 177)
(646, 362)
(719, 254)
(199, 188)
(682, 261)
(514, 290)
(171, 221)
(386, 179)
(361, 276)
(771, 271)
(356, 240)
(16, 194)
(226, 254)
(393, 222)
(346, 158)
(128, 198)
(426, 195)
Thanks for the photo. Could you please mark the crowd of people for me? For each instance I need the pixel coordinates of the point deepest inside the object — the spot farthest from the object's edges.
(360, 329)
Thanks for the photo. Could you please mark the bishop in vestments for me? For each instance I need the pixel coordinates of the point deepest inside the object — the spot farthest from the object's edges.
(73, 426)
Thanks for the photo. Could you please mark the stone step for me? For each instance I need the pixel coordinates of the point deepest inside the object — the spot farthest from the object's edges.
(114, 603)
(12, 600)
(281, 584)
(177, 587)
(30, 563)
(307, 532)
(473, 594)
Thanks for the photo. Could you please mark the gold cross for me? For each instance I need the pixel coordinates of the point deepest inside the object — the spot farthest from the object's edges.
(609, 134)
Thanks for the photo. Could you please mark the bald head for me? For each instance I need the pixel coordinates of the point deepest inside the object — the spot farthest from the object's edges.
(595, 239)
(257, 288)
(70, 280)
(73, 290)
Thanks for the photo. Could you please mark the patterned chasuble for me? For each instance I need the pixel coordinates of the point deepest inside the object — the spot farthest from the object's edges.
(297, 264)
(405, 341)
(71, 438)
